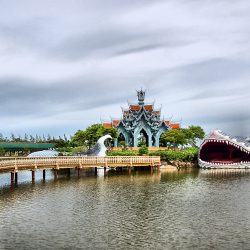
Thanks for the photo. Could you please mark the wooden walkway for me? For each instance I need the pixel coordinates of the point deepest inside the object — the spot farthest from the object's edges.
(27, 163)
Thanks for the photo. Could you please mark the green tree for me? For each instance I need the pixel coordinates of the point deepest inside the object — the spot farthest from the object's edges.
(60, 143)
(90, 135)
(174, 138)
(183, 136)
(65, 138)
(2, 152)
(12, 137)
(44, 138)
(26, 138)
(1, 137)
(32, 139)
(48, 138)
(197, 133)
(143, 150)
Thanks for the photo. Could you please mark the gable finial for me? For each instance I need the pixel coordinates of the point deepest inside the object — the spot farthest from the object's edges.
(141, 96)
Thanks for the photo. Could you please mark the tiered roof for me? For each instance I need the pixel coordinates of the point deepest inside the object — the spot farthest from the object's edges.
(174, 125)
(134, 111)
(107, 125)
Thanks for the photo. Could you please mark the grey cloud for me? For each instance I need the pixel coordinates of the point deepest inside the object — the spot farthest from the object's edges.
(96, 42)
(26, 97)
(23, 36)
(104, 39)
(212, 71)
(212, 78)
(233, 120)
(210, 89)
(112, 41)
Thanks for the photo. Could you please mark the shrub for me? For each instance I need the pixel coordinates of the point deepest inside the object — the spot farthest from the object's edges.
(122, 153)
(188, 154)
(143, 150)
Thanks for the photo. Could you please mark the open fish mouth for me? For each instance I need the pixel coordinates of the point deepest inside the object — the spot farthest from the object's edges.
(221, 149)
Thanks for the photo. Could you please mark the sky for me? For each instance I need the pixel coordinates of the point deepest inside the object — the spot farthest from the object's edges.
(66, 64)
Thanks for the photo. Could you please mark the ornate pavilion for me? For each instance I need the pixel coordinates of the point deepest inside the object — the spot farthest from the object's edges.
(141, 123)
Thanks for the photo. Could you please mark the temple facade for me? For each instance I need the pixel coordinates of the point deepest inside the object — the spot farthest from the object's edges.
(141, 124)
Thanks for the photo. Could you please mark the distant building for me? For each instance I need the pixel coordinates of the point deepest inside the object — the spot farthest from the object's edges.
(141, 124)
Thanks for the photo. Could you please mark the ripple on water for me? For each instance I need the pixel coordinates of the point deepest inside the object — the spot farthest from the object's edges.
(176, 210)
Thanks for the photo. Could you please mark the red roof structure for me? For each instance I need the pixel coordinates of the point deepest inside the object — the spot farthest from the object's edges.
(148, 107)
(175, 125)
(116, 122)
(141, 121)
(107, 125)
(134, 107)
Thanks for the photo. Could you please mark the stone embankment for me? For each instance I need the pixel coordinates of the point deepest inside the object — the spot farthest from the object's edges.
(179, 164)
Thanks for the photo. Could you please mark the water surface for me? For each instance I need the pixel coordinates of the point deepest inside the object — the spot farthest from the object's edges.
(195, 209)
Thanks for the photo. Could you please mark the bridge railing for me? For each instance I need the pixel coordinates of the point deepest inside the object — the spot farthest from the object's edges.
(20, 162)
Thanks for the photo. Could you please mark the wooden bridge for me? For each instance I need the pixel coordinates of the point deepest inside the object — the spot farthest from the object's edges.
(13, 165)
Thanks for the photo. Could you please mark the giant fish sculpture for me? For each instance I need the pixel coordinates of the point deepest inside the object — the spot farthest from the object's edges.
(99, 149)
(44, 153)
(220, 150)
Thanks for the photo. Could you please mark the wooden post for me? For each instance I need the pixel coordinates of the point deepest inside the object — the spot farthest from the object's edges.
(95, 170)
(55, 174)
(12, 177)
(68, 172)
(33, 175)
(129, 170)
(105, 170)
(16, 177)
(151, 169)
(78, 172)
(44, 174)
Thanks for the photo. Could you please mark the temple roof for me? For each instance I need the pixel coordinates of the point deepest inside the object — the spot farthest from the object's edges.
(134, 107)
(174, 125)
(149, 107)
(107, 125)
(137, 107)
(115, 122)
(134, 112)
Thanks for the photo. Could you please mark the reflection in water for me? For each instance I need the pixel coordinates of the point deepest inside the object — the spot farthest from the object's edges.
(163, 210)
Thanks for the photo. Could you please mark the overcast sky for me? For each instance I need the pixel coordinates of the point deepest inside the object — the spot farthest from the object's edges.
(66, 64)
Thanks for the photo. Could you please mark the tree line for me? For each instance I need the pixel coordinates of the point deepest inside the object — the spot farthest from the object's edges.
(182, 136)
(172, 138)
(61, 141)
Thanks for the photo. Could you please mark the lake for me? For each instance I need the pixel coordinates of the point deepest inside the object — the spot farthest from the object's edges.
(167, 209)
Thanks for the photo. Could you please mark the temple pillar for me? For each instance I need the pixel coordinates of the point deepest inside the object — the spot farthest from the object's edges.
(126, 141)
(115, 142)
(150, 141)
(135, 140)
(157, 142)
